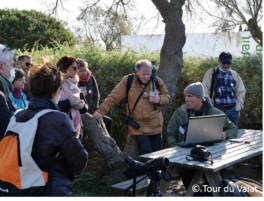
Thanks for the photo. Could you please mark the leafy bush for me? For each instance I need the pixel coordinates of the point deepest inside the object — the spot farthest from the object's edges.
(28, 29)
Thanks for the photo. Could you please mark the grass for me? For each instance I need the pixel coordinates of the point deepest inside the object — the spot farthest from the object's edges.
(88, 186)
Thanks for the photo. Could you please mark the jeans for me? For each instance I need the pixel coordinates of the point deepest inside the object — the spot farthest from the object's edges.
(149, 143)
(232, 115)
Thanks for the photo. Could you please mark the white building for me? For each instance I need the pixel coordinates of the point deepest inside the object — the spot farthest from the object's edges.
(199, 44)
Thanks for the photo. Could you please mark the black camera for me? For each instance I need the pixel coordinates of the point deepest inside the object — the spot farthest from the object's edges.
(151, 166)
(127, 120)
(200, 152)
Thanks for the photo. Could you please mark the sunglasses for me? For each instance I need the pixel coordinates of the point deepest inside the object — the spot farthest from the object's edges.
(74, 68)
(226, 63)
(29, 64)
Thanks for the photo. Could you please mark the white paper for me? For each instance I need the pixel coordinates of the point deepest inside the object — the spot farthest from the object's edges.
(236, 140)
(181, 130)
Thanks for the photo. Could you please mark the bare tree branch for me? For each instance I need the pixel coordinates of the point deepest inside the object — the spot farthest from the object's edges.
(228, 14)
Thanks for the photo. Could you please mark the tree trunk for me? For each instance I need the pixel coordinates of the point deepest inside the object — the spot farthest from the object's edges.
(131, 148)
(171, 61)
(107, 147)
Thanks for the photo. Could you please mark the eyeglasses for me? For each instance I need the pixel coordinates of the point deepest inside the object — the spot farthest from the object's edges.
(29, 64)
(226, 63)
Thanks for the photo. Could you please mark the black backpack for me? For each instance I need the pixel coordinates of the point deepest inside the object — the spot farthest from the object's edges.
(240, 186)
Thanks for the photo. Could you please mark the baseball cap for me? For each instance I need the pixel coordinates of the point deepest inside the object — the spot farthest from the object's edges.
(225, 57)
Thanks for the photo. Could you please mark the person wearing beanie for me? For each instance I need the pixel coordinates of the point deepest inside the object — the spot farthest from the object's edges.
(196, 104)
(17, 96)
(224, 87)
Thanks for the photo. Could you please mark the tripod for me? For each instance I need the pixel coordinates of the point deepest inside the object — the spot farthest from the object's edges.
(155, 169)
(152, 190)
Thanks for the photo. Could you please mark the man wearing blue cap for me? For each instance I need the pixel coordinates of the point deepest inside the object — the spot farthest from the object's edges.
(225, 87)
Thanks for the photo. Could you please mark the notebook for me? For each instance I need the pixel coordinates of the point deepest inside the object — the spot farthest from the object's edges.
(204, 130)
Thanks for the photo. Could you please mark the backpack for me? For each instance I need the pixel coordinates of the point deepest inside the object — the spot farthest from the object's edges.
(19, 174)
(240, 186)
(130, 80)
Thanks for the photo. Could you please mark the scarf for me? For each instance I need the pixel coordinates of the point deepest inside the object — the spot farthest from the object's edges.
(17, 93)
(70, 88)
(5, 86)
(206, 105)
(87, 77)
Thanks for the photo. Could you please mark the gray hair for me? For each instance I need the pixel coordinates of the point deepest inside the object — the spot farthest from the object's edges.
(6, 53)
(144, 62)
(82, 63)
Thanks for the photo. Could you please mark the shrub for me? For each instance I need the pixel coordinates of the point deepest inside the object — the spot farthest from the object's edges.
(29, 29)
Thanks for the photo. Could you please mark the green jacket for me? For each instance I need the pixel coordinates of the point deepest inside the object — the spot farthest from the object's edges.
(180, 117)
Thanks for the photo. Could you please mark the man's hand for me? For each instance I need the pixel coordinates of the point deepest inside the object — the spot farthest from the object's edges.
(223, 136)
(98, 116)
(155, 98)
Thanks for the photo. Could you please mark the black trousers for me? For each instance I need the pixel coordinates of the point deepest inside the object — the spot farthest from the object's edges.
(149, 143)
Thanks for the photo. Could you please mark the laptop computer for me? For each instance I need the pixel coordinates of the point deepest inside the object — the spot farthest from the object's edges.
(204, 130)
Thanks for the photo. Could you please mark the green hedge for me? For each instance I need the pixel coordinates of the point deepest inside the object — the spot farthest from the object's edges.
(109, 67)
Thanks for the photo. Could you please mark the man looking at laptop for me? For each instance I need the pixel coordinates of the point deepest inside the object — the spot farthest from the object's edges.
(195, 105)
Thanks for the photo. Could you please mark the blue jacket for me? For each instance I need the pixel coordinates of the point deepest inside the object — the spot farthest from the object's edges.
(18, 103)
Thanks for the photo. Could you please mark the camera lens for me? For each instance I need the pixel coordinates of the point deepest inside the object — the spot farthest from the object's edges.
(163, 163)
(166, 162)
(166, 175)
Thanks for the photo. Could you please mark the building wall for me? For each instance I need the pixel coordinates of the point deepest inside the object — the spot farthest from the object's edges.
(199, 44)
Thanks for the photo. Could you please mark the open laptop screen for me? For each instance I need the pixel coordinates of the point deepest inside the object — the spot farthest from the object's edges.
(205, 129)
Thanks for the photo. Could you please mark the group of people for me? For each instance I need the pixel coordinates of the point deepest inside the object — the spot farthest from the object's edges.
(56, 87)
(70, 87)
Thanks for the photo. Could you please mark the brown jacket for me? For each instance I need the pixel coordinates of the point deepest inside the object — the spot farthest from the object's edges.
(150, 121)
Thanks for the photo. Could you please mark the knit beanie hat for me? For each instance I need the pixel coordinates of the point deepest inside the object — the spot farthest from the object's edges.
(195, 89)
(19, 74)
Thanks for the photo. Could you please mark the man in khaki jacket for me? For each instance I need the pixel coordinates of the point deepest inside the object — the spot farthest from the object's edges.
(225, 88)
(150, 121)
